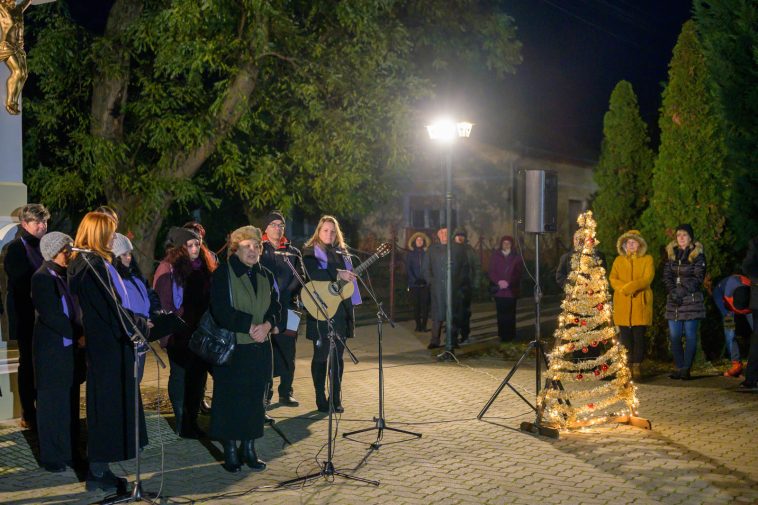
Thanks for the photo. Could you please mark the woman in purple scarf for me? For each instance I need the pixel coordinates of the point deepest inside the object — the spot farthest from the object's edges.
(183, 283)
(323, 261)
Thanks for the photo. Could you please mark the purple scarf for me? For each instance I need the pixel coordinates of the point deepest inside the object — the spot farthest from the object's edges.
(118, 283)
(320, 254)
(70, 308)
(32, 254)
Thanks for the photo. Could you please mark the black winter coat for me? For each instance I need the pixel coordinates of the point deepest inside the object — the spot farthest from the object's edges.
(110, 365)
(289, 287)
(19, 270)
(344, 319)
(55, 365)
(683, 275)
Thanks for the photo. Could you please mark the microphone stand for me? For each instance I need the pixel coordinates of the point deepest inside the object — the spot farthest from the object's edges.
(327, 467)
(381, 424)
(137, 338)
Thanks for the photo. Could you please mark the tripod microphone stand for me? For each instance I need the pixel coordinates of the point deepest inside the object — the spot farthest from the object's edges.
(539, 348)
(381, 424)
(327, 467)
(138, 339)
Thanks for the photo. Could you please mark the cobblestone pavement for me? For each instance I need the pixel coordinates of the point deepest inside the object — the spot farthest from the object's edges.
(701, 449)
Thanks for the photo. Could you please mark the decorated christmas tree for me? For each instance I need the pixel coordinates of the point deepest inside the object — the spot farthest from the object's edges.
(588, 380)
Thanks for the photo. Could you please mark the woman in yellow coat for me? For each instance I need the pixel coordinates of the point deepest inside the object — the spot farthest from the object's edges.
(631, 276)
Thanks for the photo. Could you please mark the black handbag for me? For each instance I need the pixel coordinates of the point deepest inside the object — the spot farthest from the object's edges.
(211, 342)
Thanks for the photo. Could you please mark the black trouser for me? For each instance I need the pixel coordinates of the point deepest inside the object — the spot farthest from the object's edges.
(506, 318)
(318, 370)
(463, 317)
(186, 384)
(633, 339)
(751, 371)
(58, 424)
(284, 362)
(26, 391)
(420, 300)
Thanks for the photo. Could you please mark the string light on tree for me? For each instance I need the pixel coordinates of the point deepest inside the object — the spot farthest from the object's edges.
(587, 359)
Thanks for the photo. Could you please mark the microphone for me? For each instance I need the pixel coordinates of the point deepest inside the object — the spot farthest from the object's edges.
(285, 253)
(81, 250)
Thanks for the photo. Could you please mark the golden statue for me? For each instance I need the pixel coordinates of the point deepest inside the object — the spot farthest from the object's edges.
(12, 50)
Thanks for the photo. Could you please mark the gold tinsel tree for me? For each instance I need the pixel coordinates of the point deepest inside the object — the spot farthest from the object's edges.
(587, 360)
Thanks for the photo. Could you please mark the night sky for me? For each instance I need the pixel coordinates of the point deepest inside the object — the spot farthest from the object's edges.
(575, 51)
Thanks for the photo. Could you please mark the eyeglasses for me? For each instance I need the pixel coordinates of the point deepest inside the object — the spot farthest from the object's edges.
(277, 225)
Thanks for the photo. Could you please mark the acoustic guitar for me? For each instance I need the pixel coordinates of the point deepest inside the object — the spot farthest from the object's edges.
(329, 294)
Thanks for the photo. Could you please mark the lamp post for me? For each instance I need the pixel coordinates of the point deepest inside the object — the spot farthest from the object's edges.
(446, 131)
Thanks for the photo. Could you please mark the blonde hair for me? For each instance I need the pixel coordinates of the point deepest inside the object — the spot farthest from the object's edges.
(315, 240)
(242, 234)
(94, 232)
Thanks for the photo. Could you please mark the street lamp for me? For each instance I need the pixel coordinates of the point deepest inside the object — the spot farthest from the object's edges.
(446, 131)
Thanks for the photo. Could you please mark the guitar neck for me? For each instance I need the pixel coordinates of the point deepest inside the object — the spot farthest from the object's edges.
(363, 266)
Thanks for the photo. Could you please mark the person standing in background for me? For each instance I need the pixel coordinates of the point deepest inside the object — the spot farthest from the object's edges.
(417, 285)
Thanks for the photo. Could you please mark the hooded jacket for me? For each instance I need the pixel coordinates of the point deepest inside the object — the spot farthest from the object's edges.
(631, 277)
(683, 275)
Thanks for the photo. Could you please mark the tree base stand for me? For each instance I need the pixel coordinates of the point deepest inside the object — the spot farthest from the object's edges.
(552, 432)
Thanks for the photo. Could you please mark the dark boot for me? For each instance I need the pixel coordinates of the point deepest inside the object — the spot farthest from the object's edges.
(251, 457)
(318, 373)
(100, 477)
(684, 374)
(231, 459)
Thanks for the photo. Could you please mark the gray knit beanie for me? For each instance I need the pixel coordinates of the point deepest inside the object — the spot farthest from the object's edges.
(121, 245)
(52, 243)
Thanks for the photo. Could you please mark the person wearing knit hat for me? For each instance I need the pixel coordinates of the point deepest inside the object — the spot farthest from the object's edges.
(272, 216)
(52, 243)
(57, 354)
(464, 294)
(121, 245)
(631, 277)
(182, 283)
(683, 276)
(180, 236)
(284, 342)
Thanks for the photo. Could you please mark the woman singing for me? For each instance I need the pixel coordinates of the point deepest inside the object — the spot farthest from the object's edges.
(323, 262)
(244, 300)
(110, 352)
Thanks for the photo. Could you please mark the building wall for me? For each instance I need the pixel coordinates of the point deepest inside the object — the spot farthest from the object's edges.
(484, 200)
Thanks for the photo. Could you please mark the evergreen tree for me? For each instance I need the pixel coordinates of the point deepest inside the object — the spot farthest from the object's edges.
(624, 170)
(728, 30)
(691, 180)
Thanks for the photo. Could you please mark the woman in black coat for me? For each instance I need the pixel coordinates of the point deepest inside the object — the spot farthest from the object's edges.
(683, 275)
(57, 355)
(110, 353)
(244, 300)
(323, 263)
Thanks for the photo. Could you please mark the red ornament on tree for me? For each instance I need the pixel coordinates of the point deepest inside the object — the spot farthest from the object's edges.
(591, 405)
(571, 347)
(584, 323)
(593, 343)
(590, 292)
(579, 376)
(585, 350)
(604, 367)
(590, 241)
(596, 372)
(576, 320)
(599, 306)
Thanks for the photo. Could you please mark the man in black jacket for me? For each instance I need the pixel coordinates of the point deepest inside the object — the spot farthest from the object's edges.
(284, 342)
(22, 259)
